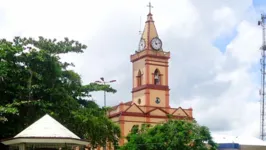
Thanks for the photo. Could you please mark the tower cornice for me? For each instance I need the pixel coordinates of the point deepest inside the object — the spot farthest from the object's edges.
(151, 86)
(153, 54)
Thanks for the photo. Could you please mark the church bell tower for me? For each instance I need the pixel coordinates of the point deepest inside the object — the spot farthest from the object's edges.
(150, 91)
(150, 69)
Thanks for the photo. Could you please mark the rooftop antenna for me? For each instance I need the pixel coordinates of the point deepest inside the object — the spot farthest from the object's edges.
(140, 26)
(140, 35)
(262, 90)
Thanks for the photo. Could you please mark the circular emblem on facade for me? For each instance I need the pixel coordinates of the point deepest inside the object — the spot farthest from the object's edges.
(157, 100)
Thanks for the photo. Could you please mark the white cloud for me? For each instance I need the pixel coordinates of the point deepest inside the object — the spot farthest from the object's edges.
(236, 103)
(246, 52)
(219, 86)
(226, 17)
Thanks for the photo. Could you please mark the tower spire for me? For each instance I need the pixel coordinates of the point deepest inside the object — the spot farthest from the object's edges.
(149, 33)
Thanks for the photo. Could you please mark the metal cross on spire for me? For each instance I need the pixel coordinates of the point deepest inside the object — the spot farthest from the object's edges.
(150, 7)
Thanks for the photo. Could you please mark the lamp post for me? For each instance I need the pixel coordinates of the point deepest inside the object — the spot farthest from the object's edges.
(102, 81)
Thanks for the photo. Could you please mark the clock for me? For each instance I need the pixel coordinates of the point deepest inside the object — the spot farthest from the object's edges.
(156, 43)
(142, 44)
(157, 100)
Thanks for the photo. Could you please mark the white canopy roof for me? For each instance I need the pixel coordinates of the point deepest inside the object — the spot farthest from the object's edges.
(242, 140)
(46, 132)
(47, 127)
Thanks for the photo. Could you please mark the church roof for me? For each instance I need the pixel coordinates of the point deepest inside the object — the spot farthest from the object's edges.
(131, 108)
(47, 127)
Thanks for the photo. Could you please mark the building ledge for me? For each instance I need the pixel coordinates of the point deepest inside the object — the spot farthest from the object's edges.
(151, 86)
(150, 53)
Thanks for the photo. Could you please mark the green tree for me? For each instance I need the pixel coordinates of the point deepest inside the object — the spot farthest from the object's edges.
(34, 81)
(172, 135)
(99, 122)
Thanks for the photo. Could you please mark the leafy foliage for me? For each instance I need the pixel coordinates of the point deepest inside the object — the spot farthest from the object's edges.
(97, 122)
(175, 134)
(33, 82)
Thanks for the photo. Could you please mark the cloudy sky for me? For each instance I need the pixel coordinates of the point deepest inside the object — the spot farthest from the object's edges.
(213, 43)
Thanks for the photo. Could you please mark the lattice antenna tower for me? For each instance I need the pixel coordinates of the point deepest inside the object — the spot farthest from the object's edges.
(262, 90)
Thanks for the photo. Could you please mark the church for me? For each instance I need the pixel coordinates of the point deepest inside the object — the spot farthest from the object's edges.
(150, 87)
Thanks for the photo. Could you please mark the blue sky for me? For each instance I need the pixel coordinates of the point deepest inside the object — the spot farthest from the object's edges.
(222, 41)
(257, 3)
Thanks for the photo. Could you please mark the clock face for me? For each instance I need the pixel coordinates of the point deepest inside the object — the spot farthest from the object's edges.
(157, 100)
(142, 44)
(156, 43)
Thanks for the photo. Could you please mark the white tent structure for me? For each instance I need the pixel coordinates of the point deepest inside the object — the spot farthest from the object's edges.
(239, 142)
(45, 133)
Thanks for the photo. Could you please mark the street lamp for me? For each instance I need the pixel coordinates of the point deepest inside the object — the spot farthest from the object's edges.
(102, 81)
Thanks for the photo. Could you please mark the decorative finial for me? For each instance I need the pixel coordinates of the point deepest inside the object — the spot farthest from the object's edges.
(150, 7)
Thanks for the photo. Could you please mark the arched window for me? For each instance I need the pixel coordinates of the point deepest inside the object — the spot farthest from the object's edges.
(139, 78)
(139, 101)
(157, 78)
